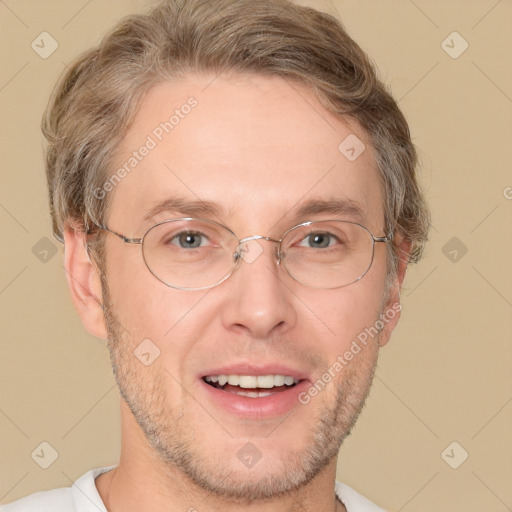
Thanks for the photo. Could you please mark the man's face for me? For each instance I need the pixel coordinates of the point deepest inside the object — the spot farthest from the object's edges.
(259, 148)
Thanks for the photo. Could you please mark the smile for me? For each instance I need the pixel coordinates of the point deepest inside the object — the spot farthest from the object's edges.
(252, 386)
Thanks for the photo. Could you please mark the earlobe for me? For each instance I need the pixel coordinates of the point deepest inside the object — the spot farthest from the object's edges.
(84, 282)
(393, 306)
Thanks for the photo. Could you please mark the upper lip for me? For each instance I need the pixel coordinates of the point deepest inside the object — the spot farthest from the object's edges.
(252, 369)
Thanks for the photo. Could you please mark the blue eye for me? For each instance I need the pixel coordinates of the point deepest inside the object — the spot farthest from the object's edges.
(319, 240)
(189, 240)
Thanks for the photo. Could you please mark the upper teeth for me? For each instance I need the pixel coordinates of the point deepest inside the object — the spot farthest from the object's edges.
(253, 381)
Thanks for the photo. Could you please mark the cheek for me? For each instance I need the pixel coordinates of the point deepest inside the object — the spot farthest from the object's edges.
(143, 305)
(173, 320)
(348, 312)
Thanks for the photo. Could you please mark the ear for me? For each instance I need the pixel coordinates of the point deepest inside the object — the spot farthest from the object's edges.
(84, 282)
(392, 307)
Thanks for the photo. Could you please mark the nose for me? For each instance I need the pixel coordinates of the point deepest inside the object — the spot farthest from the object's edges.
(260, 302)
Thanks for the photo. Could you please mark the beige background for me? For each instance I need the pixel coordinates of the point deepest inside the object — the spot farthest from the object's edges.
(445, 376)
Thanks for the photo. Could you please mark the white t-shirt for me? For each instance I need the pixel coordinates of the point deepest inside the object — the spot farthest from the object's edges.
(83, 496)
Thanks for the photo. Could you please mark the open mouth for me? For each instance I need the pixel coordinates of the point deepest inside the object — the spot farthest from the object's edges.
(252, 386)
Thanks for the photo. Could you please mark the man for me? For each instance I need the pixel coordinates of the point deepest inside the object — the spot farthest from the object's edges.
(237, 198)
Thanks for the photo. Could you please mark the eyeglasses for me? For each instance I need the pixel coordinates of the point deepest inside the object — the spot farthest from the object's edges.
(196, 254)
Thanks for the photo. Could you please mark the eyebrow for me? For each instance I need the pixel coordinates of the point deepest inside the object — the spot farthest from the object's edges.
(194, 208)
(316, 206)
(343, 207)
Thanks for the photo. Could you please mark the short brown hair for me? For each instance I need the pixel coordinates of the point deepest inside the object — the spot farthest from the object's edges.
(96, 99)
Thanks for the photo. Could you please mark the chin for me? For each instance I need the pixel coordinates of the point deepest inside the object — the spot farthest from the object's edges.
(266, 480)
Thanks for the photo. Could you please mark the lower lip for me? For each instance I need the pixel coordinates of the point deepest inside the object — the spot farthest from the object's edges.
(270, 406)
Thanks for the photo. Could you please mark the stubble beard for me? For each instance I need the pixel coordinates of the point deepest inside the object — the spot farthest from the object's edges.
(176, 448)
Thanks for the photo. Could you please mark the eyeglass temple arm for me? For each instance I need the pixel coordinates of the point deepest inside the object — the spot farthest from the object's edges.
(383, 238)
(125, 239)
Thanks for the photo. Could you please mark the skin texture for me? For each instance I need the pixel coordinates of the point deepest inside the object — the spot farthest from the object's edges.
(259, 147)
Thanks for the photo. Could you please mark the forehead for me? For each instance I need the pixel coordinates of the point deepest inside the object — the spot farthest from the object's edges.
(258, 147)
